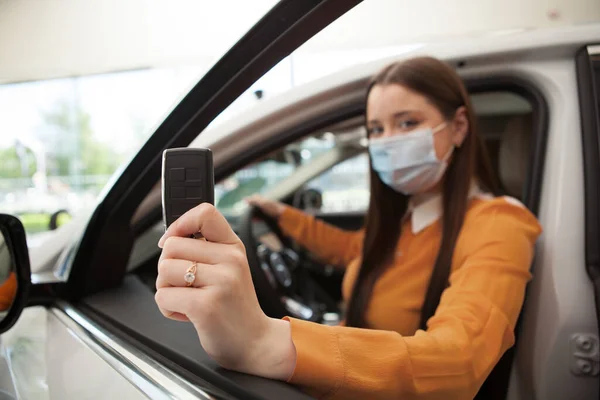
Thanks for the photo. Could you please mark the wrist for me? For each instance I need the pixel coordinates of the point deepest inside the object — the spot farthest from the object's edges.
(281, 209)
(276, 358)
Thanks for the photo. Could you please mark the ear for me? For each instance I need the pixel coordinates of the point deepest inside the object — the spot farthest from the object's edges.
(460, 126)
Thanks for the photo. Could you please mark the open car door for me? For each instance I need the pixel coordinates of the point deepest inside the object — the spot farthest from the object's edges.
(105, 336)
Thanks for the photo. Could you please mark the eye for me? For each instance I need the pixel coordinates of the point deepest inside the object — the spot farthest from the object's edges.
(374, 131)
(407, 124)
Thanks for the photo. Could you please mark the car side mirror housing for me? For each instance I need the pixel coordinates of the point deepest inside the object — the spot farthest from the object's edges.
(15, 271)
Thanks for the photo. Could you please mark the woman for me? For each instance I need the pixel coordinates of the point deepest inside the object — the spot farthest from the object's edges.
(434, 282)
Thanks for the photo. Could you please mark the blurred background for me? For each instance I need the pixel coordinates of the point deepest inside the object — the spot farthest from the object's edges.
(84, 84)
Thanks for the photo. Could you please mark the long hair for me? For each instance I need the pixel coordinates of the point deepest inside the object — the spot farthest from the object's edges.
(442, 86)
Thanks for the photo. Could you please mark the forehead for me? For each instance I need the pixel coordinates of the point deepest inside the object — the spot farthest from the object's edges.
(387, 100)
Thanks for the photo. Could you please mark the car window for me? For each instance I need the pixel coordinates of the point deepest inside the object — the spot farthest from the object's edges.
(251, 180)
(345, 187)
(69, 124)
(263, 175)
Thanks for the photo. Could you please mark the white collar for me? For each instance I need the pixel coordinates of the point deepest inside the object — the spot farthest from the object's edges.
(430, 210)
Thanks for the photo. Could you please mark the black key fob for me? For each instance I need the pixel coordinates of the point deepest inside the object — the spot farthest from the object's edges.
(187, 180)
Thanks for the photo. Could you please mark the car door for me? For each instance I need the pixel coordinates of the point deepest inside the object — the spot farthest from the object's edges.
(585, 343)
(88, 351)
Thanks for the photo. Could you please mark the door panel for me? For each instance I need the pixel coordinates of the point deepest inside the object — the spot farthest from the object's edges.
(559, 285)
(77, 371)
(23, 352)
(167, 342)
(7, 386)
(86, 362)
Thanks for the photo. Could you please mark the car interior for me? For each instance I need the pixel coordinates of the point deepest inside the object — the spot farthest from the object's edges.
(298, 284)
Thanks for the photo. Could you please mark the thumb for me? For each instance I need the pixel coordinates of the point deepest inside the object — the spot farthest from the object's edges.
(204, 219)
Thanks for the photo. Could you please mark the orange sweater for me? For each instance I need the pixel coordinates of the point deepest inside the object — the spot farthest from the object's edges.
(471, 329)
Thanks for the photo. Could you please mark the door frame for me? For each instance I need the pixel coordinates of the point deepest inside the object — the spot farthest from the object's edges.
(100, 256)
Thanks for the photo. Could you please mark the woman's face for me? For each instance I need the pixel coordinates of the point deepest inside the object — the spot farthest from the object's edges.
(396, 110)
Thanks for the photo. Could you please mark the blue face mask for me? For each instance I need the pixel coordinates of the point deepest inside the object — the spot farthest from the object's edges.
(407, 163)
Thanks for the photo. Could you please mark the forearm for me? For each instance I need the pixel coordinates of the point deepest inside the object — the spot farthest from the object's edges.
(340, 362)
(328, 243)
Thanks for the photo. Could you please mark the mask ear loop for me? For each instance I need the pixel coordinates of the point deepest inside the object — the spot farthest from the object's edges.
(448, 153)
(439, 127)
(451, 150)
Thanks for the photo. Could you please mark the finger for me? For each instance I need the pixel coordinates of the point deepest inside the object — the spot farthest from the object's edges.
(177, 301)
(195, 250)
(252, 200)
(255, 200)
(177, 317)
(205, 219)
(171, 273)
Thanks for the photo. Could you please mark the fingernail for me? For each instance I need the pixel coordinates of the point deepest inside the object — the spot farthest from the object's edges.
(161, 241)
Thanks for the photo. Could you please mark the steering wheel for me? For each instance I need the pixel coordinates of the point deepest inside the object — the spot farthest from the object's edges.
(276, 274)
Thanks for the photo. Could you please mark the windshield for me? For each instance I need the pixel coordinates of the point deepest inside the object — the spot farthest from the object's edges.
(263, 175)
(71, 119)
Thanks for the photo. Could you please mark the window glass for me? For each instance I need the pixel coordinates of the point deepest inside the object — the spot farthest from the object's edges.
(264, 175)
(254, 179)
(345, 187)
(62, 137)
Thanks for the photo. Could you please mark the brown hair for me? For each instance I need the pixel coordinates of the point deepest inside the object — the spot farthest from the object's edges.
(442, 86)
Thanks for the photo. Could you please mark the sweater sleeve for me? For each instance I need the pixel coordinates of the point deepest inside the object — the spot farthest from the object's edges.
(471, 329)
(328, 243)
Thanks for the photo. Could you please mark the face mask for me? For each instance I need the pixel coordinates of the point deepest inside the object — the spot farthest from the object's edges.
(407, 163)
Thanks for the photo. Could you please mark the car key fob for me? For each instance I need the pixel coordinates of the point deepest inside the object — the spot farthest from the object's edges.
(187, 181)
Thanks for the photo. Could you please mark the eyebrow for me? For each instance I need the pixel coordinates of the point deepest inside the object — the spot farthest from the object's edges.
(396, 115)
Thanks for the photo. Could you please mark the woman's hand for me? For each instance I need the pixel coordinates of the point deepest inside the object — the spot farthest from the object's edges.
(270, 207)
(221, 303)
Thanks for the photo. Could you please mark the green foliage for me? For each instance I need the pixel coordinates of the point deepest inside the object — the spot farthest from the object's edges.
(75, 149)
(10, 164)
(71, 146)
(40, 222)
(34, 223)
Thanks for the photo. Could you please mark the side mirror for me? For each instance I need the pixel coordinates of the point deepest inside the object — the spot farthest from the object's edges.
(15, 273)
